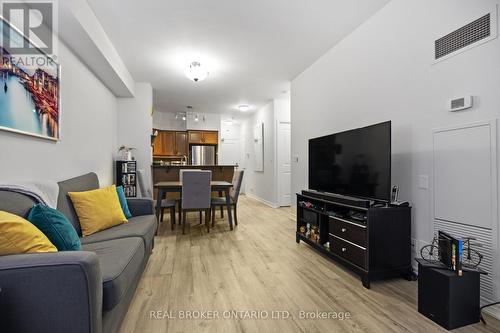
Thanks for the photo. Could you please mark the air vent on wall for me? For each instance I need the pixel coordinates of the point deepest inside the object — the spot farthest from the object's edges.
(472, 34)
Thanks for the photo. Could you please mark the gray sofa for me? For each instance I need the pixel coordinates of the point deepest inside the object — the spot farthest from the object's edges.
(78, 291)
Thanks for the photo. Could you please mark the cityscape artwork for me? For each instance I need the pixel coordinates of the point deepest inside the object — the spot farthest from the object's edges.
(29, 90)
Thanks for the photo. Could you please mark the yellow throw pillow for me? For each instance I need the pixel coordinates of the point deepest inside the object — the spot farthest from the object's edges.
(97, 209)
(18, 235)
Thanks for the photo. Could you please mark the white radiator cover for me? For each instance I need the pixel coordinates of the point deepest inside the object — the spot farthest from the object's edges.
(489, 284)
(465, 193)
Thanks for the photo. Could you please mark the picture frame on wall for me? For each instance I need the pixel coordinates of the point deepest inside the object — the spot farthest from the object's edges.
(30, 102)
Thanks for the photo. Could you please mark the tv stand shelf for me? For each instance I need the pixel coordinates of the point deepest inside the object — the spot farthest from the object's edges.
(375, 244)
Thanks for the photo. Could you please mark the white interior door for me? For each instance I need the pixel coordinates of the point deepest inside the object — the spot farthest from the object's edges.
(229, 152)
(284, 163)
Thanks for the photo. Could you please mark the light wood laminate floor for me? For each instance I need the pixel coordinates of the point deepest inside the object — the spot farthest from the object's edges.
(260, 267)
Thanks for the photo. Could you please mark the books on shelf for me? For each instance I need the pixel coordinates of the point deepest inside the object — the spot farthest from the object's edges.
(126, 176)
(130, 191)
(129, 167)
(128, 179)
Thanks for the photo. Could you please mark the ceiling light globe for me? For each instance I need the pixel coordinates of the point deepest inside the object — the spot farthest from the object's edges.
(196, 72)
(243, 108)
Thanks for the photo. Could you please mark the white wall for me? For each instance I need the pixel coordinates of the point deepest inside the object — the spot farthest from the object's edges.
(384, 71)
(88, 132)
(135, 126)
(261, 185)
(206, 122)
(166, 121)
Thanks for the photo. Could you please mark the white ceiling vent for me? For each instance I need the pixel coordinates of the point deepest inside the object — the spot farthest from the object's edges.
(470, 35)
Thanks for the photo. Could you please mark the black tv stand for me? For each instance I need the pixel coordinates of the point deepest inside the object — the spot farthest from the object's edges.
(375, 244)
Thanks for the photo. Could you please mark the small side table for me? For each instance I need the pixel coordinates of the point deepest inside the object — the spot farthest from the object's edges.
(449, 300)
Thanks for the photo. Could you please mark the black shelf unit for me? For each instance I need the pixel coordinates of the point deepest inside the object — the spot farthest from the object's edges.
(374, 241)
(126, 176)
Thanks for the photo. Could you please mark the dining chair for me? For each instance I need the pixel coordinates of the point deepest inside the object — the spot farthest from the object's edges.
(179, 201)
(196, 192)
(234, 194)
(170, 204)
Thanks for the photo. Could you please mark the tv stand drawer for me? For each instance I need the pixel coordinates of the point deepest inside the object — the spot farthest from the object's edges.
(348, 231)
(348, 251)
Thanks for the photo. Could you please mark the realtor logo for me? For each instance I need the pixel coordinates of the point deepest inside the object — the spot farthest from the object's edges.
(35, 20)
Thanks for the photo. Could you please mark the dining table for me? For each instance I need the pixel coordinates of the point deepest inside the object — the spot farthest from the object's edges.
(176, 186)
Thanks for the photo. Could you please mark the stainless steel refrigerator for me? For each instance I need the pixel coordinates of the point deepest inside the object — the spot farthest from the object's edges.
(202, 155)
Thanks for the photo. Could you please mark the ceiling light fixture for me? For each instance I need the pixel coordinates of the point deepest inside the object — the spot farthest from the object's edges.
(196, 118)
(243, 108)
(196, 72)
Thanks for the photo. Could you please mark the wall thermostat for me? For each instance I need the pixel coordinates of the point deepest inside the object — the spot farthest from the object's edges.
(461, 103)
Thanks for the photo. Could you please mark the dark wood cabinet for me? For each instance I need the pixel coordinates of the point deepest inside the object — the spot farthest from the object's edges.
(158, 144)
(176, 143)
(210, 138)
(170, 143)
(203, 137)
(195, 136)
(374, 241)
(181, 143)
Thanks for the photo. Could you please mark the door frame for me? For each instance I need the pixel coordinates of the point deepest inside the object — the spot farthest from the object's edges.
(277, 167)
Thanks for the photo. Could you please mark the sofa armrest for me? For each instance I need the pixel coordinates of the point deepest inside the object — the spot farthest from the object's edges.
(141, 206)
(51, 292)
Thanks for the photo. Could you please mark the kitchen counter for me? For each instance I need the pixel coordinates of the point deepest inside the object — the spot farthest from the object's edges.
(165, 173)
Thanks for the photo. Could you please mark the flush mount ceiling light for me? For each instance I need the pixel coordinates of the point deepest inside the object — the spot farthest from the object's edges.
(196, 72)
(243, 108)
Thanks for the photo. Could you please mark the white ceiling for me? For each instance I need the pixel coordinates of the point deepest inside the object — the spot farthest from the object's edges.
(254, 48)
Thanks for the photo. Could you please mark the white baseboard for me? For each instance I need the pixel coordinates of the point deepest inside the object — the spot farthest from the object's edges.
(264, 201)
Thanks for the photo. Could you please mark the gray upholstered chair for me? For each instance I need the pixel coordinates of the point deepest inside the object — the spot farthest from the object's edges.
(234, 193)
(179, 201)
(170, 204)
(196, 191)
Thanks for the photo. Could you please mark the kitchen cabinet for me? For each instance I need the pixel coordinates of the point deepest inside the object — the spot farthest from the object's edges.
(168, 143)
(203, 137)
(165, 144)
(181, 143)
(195, 136)
(210, 138)
(158, 144)
(176, 143)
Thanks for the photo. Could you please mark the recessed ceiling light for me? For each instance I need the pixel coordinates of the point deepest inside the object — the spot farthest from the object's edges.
(196, 72)
(243, 108)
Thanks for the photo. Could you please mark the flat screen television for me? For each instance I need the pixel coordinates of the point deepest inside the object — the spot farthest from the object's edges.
(354, 163)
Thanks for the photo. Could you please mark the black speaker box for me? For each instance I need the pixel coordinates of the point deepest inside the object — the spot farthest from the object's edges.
(449, 300)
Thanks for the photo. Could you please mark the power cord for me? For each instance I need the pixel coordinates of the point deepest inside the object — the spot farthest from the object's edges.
(481, 311)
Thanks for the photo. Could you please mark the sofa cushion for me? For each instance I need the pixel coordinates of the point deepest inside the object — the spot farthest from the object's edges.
(97, 210)
(18, 235)
(56, 227)
(121, 262)
(16, 203)
(82, 183)
(123, 201)
(140, 226)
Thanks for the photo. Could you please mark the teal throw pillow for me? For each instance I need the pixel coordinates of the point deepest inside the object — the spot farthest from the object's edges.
(56, 227)
(123, 201)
